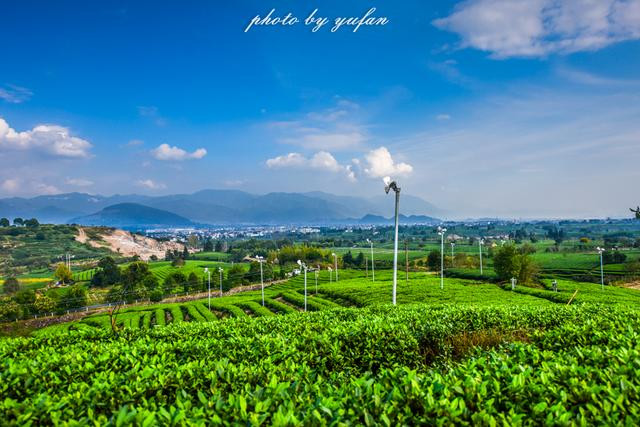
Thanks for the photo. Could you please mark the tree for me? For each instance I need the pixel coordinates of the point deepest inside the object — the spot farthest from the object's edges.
(185, 253)
(433, 260)
(347, 259)
(18, 221)
(235, 275)
(192, 282)
(613, 257)
(108, 273)
(527, 249)
(32, 223)
(75, 297)
(208, 245)
(505, 262)
(219, 247)
(4, 222)
(509, 263)
(62, 273)
(44, 304)
(193, 241)
(11, 285)
(9, 309)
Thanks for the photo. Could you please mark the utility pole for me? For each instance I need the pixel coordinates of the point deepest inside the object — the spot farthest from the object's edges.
(406, 261)
(392, 185)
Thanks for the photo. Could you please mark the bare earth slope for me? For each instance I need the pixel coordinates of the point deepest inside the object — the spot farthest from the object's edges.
(127, 244)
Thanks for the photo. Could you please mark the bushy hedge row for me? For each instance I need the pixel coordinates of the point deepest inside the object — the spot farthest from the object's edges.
(379, 365)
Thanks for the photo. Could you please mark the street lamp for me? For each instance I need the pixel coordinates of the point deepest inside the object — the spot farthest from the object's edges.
(452, 255)
(220, 271)
(480, 243)
(392, 185)
(316, 272)
(335, 261)
(206, 270)
(441, 232)
(601, 251)
(304, 267)
(261, 260)
(373, 270)
(330, 276)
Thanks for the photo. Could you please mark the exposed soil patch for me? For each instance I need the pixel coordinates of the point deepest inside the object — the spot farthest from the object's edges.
(128, 244)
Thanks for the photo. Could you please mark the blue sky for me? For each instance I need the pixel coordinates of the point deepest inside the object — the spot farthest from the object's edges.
(483, 107)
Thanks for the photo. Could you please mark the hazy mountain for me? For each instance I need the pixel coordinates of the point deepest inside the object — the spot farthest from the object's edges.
(220, 207)
(133, 215)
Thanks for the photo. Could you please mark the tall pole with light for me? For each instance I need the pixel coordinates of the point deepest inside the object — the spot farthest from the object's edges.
(261, 260)
(330, 275)
(206, 270)
(453, 245)
(335, 261)
(304, 267)
(220, 271)
(316, 272)
(441, 232)
(601, 251)
(373, 269)
(392, 185)
(480, 243)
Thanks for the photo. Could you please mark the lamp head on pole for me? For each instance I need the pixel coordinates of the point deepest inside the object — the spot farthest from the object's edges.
(206, 269)
(390, 185)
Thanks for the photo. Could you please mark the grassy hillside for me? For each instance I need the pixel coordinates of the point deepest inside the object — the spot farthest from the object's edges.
(23, 248)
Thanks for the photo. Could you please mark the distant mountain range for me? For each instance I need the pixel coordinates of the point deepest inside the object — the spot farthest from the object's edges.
(124, 215)
(218, 207)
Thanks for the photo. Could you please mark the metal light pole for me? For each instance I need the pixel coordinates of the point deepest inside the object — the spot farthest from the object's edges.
(392, 185)
(206, 270)
(441, 232)
(335, 261)
(304, 266)
(261, 260)
(329, 269)
(480, 243)
(452, 255)
(373, 269)
(220, 271)
(513, 283)
(601, 251)
(316, 272)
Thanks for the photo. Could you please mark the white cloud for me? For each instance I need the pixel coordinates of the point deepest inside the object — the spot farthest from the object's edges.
(380, 164)
(150, 184)
(321, 160)
(290, 160)
(10, 185)
(79, 182)
(51, 139)
(443, 117)
(18, 186)
(41, 188)
(15, 94)
(324, 160)
(533, 28)
(166, 152)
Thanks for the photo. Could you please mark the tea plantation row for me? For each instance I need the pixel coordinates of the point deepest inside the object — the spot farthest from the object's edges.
(388, 365)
